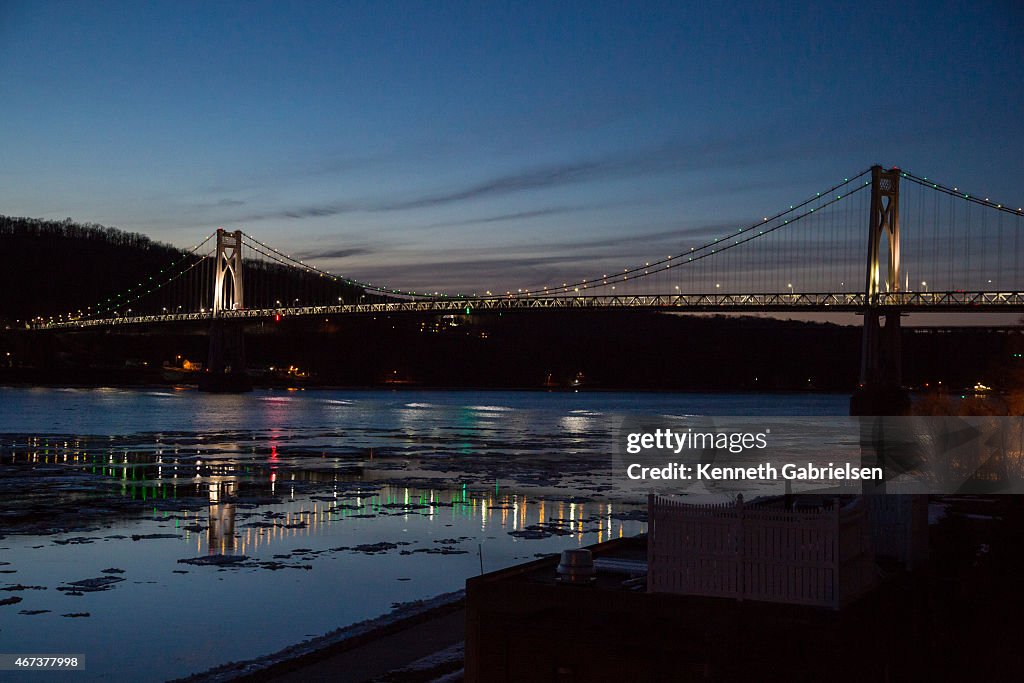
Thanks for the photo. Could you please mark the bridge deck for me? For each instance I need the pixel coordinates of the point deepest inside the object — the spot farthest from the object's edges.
(843, 302)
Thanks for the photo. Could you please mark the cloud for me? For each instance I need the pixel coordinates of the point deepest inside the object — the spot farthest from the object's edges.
(500, 218)
(317, 211)
(220, 203)
(530, 179)
(672, 156)
(468, 275)
(333, 253)
(330, 164)
(646, 242)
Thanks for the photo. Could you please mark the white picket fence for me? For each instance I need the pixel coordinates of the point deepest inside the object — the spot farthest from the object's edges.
(760, 552)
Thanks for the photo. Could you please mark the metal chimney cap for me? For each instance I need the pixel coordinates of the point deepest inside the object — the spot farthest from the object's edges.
(577, 566)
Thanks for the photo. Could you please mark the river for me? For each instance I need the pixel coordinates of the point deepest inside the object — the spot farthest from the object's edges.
(344, 502)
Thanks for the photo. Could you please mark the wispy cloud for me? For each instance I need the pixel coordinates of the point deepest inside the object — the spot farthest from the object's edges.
(333, 253)
(327, 165)
(670, 157)
(504, 217)
(472, 274)
(219, 204)
(651, 242)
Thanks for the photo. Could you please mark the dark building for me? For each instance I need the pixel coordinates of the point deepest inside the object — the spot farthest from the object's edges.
(525, 624)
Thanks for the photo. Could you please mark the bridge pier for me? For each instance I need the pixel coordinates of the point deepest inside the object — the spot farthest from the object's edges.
(881, 390)
(225, 369)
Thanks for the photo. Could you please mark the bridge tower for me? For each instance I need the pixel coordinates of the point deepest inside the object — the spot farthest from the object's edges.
(228, 293)
(225, 368)
(881, 391)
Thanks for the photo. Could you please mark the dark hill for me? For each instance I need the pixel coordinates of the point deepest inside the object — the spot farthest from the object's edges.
(53, 267)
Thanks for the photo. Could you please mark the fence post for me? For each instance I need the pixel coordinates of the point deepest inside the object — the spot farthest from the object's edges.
(741, 552)
(651, 563)
(836, 549)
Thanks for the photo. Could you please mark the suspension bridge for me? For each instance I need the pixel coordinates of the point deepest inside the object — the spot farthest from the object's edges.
(882, 243)
(863, 243)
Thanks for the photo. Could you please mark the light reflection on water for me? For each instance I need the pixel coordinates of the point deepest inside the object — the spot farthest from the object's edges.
(299, 480)
(169, 624)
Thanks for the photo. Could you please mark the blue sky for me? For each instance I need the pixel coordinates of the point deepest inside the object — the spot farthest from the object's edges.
(465, 146)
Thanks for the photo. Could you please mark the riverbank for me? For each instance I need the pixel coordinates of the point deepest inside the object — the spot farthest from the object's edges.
(359, 652)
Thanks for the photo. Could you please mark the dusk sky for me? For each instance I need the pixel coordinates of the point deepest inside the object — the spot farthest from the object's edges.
(455, 145)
